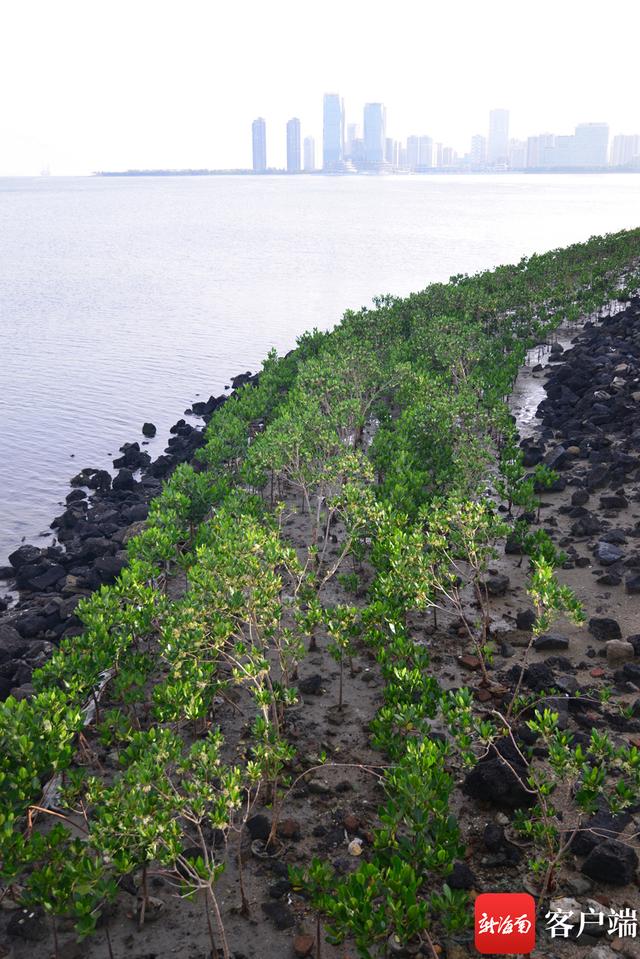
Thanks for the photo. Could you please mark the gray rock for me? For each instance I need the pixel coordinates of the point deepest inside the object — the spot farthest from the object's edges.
(569, 907)
(613, 502)
(578, 885)
(601, 952)
(497, 585)
(618, 652)
(632, 584)
(607, 554)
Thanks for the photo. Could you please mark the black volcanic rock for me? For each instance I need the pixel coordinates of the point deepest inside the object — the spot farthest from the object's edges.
(24, 555)
(124, 480)
(500, 778)
(604, 628)
(611, 861)
(525, 619)
(602, 825)
(100, 481)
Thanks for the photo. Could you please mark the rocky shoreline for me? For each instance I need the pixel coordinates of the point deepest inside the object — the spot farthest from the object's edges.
(588, 432)
(102, 512)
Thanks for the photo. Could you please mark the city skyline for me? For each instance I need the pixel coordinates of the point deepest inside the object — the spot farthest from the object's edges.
(365, 148)
(181, 89)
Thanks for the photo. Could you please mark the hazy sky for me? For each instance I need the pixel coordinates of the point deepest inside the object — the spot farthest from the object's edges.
(89, 85)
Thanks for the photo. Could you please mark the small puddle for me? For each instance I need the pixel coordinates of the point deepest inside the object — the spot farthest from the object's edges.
(528, 390)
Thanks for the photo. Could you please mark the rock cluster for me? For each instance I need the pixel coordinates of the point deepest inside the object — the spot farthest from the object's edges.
(101, 513)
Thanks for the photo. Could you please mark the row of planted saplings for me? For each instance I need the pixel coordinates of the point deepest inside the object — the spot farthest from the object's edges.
(162, 544)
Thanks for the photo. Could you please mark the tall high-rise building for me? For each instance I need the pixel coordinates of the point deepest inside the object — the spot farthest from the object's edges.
(391, 152)
(625, 150)
(498, 144)
(591, 144)
(540, 151)
(374, 134)
(259, 137)
(446, 156)
(478, 154)
(517, 154)
(309, 154)
(333, 133)
(352, 136)
(293, 146)
(419, 153)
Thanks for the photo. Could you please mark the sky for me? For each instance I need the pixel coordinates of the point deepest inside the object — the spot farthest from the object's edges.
(122, 84)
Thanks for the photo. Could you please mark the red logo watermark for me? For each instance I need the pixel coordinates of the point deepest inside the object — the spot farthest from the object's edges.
(505, 923)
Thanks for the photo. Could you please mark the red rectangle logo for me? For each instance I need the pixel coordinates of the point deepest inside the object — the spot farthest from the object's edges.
(505, 923)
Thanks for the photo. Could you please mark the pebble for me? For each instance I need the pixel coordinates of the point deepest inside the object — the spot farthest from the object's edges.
(355, 847)
(469, 662)
(302, 945)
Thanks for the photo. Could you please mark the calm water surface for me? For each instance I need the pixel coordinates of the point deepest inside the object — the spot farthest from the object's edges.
(123, 300)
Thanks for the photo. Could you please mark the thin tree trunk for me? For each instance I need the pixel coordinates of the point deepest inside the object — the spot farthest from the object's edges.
(214, 948)
(216, 910)
(245, 909)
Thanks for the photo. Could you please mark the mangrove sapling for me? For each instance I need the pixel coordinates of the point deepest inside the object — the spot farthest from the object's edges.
(128, 686)
(314, 882)
(550, 599)
(67, 879)
(159, 544)
(588, 778)
(416, 822)
(516, 485)
(376, 902)
(460, 541)
(343, 627)
(134, 820)
(207, 795)
(352, 907)
(451, 909)
(270, 754)
(309, 618)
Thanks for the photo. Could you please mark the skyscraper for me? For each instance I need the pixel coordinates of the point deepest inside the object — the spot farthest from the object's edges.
(591, 144)
(498, 145)
(419, 153)
(540, 151)
(625, 149)
(391, 152)
(333, 133)
(517, 154)
(309, 154)
(374, 135)
(259, 137)
(352, 136)
(293, 145)
(478, 152)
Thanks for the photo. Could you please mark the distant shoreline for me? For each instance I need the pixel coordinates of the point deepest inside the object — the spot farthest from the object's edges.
(430, 172)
